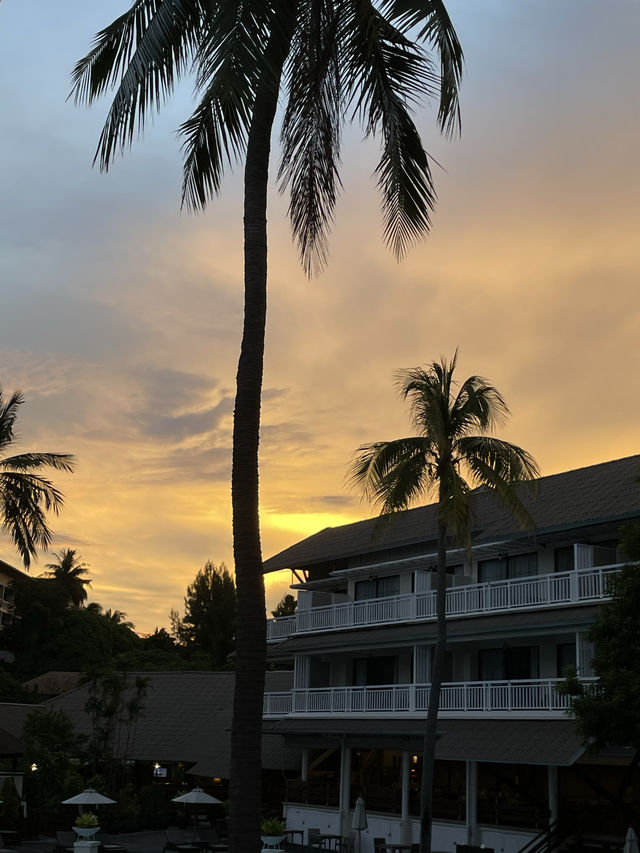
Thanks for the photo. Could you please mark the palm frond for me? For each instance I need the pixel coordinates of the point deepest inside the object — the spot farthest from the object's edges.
(500, 466)
(215, 133)
(387, 76)
(429, 394)
(310, 134)
(24, 501)
(392, 474)
(478, 406)
(435, 27)
(146, 49)
(28, 461)
(8, 414)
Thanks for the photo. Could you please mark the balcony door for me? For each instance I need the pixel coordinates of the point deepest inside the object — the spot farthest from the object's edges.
(375, 670)
(513, 663)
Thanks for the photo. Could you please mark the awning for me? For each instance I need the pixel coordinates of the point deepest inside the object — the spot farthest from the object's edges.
(545, 742)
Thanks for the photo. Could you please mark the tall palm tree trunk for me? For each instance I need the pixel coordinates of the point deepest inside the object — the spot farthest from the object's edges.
(430, 734)
(251, 626)
(246, 730)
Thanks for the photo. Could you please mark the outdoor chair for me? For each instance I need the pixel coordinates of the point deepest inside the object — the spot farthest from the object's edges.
(379, 843)
(313, 837)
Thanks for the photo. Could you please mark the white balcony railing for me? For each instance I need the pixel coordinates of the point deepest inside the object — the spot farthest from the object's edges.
(530, 697)
(580, 586)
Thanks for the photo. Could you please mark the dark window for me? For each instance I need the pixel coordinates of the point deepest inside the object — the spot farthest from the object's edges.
(501, 568)
(377, 587)
(319, 673)
(491, 665)
(566, 658)
(378, 670)
(510, 664)
(564, 559)
(521, 662)
(492, 570)
(522, 565)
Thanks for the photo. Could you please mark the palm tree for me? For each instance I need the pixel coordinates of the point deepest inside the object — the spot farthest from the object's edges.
(118, 617)
(26, 496)
(68, 574)
(452, 443)
(331, 59)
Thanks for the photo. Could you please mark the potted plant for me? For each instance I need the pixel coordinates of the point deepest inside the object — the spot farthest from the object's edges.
(86, 825)
(272, 832)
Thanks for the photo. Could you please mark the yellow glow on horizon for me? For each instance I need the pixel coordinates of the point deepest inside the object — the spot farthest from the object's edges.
(306, 523)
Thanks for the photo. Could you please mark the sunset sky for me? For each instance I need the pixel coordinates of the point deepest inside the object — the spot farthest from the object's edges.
(121, 316)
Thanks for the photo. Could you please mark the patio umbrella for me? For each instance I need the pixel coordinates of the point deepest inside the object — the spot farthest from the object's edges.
(631, 841)
(89, 797)
(359, 821)
(197, 796)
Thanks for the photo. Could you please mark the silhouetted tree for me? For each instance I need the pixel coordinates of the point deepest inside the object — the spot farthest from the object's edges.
(68, 573)
(286, 606)
(209, 615)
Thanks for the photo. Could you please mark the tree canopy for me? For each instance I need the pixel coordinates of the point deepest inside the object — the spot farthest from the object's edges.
(208, 624)
(607, 712)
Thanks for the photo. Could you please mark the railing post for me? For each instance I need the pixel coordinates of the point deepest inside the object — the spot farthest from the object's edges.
(574, 590)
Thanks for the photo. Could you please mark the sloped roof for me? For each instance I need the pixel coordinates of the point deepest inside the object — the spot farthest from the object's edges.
(13, 715)
(186, 717)
(598, 494)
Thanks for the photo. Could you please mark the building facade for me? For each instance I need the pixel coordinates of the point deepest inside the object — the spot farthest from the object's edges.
(509, 761)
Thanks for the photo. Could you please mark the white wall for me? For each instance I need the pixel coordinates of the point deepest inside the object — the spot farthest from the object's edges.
(446, 834)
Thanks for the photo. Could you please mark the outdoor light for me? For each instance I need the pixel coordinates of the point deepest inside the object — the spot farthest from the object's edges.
(34, 766)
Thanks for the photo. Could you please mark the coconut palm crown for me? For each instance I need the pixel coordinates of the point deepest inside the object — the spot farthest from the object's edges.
(452, 452)
(25, 495)
(68, 573)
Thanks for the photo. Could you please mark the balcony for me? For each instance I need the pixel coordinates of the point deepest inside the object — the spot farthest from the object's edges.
(523, 698)
(581, 586)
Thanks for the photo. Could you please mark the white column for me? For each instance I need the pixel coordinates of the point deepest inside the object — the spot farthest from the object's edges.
(404, 808)
(304, 770)
(472, 801)
(552, 776)
(345, 789)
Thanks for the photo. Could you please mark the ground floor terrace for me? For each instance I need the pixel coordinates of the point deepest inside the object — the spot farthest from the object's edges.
(511, 789)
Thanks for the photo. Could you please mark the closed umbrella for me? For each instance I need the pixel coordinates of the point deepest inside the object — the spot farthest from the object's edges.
(197, 796)
(359, 821)
(631, 841)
